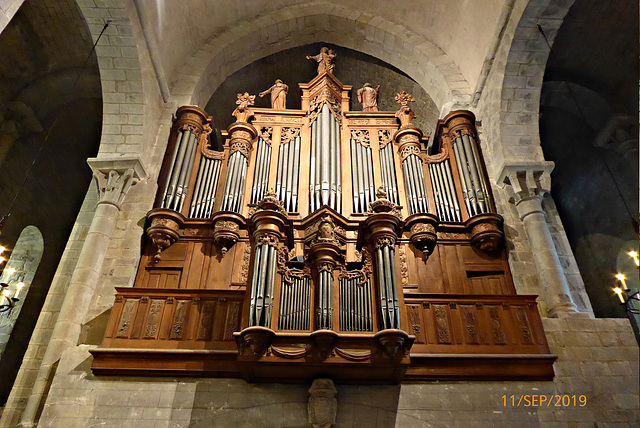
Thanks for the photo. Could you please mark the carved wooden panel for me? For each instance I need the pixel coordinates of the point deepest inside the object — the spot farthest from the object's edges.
(481, 324)
(443, 332)
(205, 326)
(126, 319)
(153, 319)
(179, 318)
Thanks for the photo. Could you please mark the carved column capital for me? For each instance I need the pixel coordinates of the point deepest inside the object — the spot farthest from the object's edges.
(114, 176)
(526, 184)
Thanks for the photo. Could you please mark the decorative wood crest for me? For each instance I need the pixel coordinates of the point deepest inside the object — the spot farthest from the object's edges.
(363, 274)
(361, 137)
(266, 134)
(405, 114)
(289, 275)
(242, 113)
(384, 136)
(409, 150)
(288, 135)
(326, 96)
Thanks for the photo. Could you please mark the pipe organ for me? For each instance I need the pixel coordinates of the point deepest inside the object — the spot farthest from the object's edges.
(392, 265)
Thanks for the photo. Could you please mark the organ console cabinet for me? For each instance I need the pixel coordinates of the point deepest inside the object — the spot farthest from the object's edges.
(324, 242)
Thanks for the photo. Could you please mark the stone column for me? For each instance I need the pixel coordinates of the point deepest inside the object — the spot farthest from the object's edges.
(526, 184)
(114, 177)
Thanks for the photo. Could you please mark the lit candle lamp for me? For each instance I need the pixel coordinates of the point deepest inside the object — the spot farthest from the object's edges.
(634, 256)
(2, 249)
(2, 259)
(618, 291)
(6, 293)
(11, 271)
(620, 277)
(18, 288)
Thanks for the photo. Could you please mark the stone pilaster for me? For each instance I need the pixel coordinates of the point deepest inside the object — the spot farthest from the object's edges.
(526, 184)
(114, 177)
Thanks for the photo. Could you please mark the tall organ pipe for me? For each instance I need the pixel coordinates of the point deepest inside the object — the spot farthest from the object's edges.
(387, 287)
(313, 171)
(262, 285)
(296, 174)
(325, 184)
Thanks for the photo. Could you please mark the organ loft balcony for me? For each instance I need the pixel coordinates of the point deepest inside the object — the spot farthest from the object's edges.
(324, 242)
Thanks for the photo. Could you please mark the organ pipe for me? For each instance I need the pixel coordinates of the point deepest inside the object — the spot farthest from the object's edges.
(261, 176)
(325, 186)
(355, 305)
(295, 304)
(387, 286)
(474, 189)
(414, 184)
(205, 188)
(262, 285)
(288, 169)
(388, 169)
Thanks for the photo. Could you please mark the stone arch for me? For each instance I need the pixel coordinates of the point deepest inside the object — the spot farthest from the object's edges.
(522, 84)
(120, 74)
(298, 25)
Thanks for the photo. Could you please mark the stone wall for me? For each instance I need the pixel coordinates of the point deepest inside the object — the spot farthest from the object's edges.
(597, 358)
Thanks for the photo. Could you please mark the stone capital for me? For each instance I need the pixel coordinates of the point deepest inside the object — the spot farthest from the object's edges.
(525, 180)
(114, 176)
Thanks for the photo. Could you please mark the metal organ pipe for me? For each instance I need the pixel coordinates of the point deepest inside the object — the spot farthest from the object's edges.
(325, 185)
(296, 174)
(261, 176)
(180, 172)
(312, 166)
(387, 287)
(262, 284)
(389, 173)
(355, 306)
(474, 187)
(325, 282)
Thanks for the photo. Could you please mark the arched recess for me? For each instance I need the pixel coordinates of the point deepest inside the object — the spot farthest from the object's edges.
(299, 25)
(20, 269)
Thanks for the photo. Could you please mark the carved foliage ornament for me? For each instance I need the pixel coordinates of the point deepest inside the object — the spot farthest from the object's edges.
(361, 137)
(363, 274)
(242, 113)
(266, 133)
(325, 96)
(405, 114)
(267, 239)
(385, 137)
(385, 241)
(289, 275)
(288, 135)
(409, 150)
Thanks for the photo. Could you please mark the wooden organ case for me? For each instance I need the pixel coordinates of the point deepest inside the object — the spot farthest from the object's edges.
(324, 242)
